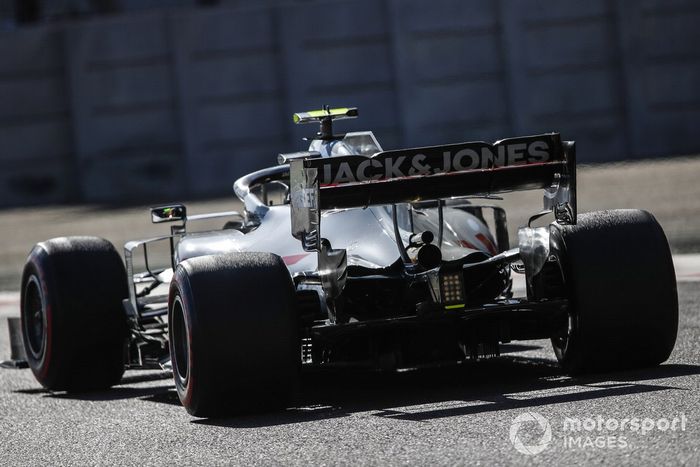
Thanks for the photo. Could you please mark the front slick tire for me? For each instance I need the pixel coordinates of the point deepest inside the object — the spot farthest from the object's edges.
(622, 292)
(73, 325)
(233, 334)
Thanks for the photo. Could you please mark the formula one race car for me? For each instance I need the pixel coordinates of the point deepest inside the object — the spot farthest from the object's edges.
(349, 255)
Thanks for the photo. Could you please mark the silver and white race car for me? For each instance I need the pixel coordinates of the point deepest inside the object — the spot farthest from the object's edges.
(347, 255)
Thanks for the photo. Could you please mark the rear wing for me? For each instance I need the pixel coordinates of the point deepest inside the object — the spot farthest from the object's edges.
(429, 173)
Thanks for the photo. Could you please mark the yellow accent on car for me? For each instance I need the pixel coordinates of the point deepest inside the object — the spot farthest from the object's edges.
(315, 115)
(454, 307)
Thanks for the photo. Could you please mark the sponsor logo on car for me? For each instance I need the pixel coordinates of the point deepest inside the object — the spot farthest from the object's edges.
(433, 161)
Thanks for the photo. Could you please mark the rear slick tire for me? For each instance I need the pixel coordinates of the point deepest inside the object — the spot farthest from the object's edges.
(621, 286)
(74, 327)
(234, 334)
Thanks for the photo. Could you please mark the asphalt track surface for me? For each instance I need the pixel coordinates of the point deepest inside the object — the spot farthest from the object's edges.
(446, 416)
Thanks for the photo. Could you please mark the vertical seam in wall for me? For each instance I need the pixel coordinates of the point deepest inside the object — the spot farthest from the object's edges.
(282, 68)
(399, 93)
(73, 160)
(621, 76)
(179, 118)
(279, 70)
(505, 63)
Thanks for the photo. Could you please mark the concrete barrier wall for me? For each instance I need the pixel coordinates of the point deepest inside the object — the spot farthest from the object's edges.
(124, 96)
(566, 75)
(36, 140)
(180, 102)
(341, 54)
(232, 94)
(451, 71)
(660, 48)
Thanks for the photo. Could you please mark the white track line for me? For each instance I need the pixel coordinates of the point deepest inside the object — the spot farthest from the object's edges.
(687, 270)
(687, 267)
(9, 298)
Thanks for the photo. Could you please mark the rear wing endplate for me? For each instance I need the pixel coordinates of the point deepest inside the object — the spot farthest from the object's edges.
(429, 173)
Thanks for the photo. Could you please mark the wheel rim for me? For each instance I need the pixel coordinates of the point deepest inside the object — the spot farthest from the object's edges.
(35, 319)
(562, 342)
(179, 335)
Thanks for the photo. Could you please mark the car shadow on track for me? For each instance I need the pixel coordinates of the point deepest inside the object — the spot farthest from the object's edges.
(124, 390)
(502, 383)
(499, 384)
(116, 393)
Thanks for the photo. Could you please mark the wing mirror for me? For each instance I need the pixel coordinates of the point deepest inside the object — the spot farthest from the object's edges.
(169, 213)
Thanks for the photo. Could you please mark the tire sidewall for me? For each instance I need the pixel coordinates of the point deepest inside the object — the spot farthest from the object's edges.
(567, 352)
(39, 266)
(180, 290)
